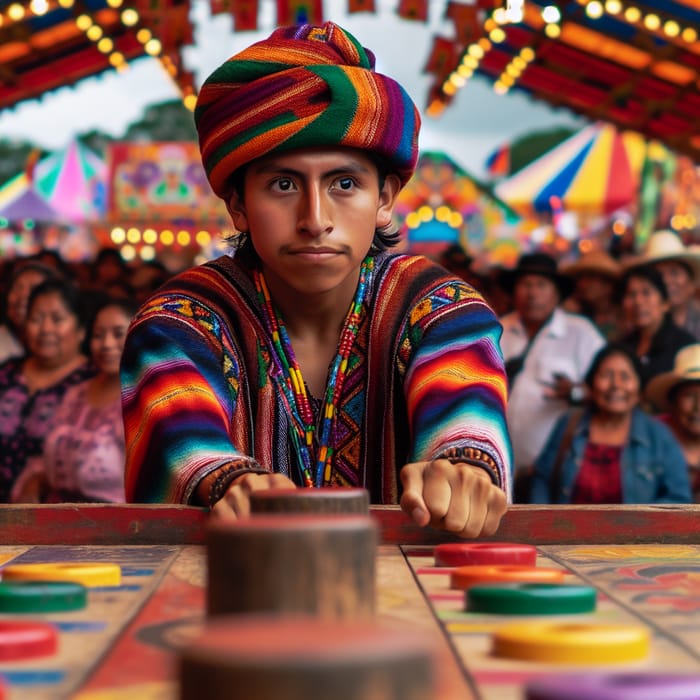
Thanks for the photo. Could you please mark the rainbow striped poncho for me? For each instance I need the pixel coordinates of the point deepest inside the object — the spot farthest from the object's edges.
(426, 375)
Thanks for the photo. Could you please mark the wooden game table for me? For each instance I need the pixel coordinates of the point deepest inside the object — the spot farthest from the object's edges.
(643, 560)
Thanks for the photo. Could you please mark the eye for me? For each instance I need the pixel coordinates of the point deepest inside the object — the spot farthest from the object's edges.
(344, 183)
(283, 184)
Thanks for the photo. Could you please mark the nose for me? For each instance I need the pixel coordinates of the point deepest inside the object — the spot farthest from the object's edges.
(314, 217)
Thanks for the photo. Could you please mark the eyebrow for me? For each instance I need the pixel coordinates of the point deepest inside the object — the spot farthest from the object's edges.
(275, 168)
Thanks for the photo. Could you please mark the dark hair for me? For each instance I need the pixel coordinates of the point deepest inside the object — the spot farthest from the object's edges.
(128, 306)
(18, 270)
(383, 240)
(607, 351)
(676, 388)
(645, 272)
(69, 293)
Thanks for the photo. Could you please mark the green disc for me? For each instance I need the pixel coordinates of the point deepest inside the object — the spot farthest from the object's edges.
(531, 599)
(41, 596)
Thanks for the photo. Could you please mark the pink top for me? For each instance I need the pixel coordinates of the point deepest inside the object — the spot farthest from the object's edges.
(84, 453)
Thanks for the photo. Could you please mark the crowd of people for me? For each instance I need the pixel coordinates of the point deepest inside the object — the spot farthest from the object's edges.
(61, 340)
(602, 358)
(314, 356)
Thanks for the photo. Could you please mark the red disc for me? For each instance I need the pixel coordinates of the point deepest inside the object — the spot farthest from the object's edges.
(468, 553)
(26, 640)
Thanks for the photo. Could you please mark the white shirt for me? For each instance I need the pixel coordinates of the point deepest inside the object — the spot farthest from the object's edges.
(566, 345)
(9, 345)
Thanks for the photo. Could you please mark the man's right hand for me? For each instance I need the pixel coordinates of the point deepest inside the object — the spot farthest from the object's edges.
(235, 503)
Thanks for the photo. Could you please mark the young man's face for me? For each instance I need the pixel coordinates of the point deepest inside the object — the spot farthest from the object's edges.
(311, 215)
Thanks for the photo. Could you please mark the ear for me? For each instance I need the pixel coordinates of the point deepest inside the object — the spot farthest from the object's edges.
(236, 208)
(387, 200)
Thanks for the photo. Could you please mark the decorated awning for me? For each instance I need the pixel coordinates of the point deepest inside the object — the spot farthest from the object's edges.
(595, 171)
(47, 44)
(632, 64)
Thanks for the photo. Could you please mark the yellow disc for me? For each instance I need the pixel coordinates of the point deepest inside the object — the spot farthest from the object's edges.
(90, 574)
(572, 643)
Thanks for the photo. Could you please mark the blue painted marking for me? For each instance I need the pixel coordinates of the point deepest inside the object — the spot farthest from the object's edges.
(80, 626)
(115, 589)
(137, 572)
(46, 676)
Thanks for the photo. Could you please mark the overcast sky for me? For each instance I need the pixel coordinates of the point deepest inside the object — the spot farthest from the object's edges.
(468, 130)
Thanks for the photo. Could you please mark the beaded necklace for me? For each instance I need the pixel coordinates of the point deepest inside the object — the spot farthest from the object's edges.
(292, 384)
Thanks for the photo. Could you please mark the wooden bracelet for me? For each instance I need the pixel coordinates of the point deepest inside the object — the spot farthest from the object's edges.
(226, 475)
(475, 458)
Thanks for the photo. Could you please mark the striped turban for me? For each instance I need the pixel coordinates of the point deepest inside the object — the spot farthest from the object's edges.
(302, 87)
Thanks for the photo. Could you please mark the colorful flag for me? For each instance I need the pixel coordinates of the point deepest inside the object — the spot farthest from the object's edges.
(360, 6)
(299, 12)
(414, 9)
(443, 57)
(245, 15)
(498, 163)
(220, 7)
(468, 28)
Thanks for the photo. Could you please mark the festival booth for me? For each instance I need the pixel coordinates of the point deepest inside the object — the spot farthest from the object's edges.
(160, 204)
(54, 203)
(443, 205)
(588, 187)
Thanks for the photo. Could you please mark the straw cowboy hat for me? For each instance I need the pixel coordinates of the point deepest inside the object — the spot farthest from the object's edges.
(666, 246)
(596, 262)
(686, 368)
(537, 264)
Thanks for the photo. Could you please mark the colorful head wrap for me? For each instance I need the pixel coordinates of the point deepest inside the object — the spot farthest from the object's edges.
(302, 87)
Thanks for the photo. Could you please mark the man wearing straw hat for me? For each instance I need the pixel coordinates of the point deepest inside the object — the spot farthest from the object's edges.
(680, 268)
(677, 394)
(595, 275)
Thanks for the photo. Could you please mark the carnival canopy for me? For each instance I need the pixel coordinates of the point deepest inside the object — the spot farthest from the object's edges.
(595, 171)
(632, 64)
(72, 181)
(19, 201)
(443, 204)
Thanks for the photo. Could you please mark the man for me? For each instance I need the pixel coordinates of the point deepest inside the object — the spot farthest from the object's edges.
(547, 352)
(312, 357)
(680, 268)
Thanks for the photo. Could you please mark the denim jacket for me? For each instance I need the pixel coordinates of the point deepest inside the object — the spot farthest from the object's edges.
(653, 467)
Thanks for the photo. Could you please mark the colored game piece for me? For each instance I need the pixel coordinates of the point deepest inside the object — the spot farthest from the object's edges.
(615, 686)
(572, 643)
(531, 599)
(297, 563)
(291, 657)
(86, 573)
(480, 553)
(324, 500)
(41, 596)
(463, 577)
(26, 640)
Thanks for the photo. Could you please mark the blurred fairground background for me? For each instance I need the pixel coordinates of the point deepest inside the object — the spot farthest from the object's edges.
(612, 154)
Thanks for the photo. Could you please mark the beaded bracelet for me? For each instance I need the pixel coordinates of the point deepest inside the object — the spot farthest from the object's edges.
(473, 457)
(226, 475)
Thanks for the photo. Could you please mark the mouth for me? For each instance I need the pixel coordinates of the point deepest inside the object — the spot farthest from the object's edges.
(310, 250)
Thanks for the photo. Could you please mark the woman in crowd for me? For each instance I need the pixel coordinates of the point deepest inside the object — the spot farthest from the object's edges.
(31, 387)
(25, 277)
(654, 338)
(611, 451)
(677, 395)
(83, 456)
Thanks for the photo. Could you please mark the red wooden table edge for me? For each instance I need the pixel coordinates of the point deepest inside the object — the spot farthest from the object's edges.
(111, 524)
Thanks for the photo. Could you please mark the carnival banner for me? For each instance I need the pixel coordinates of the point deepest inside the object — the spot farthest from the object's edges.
(161, 182)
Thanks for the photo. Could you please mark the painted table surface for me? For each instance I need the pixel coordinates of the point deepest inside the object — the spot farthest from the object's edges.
(644, 562)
